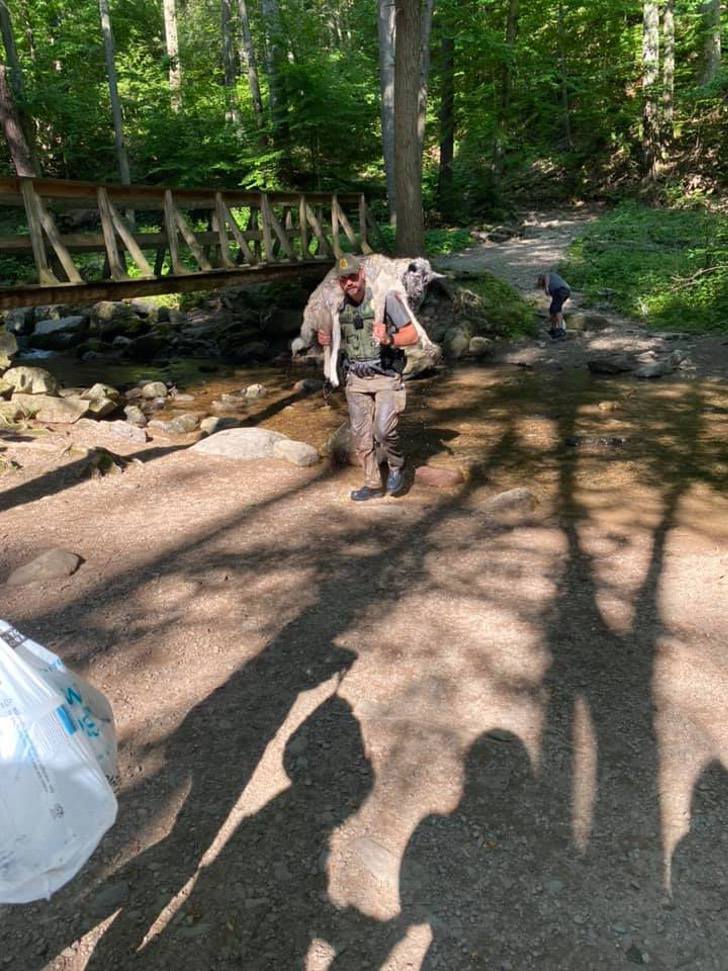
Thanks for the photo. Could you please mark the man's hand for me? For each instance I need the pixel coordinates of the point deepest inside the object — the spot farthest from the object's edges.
(380, 334)
(324, 337)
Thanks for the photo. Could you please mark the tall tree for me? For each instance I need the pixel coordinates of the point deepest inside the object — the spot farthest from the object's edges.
(506, 83)
(232, 111)
(249, 63)
(410, 239)
(712, 43)
(447, 121)
(18, 147)
(271, 14)
(426, 30)
(650, 74)
(668, 73)
(563, 70)
(387, 36)
(172, 43)
(110, 54)
(13, 75)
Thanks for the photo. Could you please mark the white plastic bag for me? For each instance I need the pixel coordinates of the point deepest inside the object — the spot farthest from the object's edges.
(55, 800)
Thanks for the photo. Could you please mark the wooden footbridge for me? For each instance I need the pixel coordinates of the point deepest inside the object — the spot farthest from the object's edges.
(153, 239)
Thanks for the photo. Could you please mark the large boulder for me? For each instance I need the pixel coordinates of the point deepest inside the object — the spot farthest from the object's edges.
(256, 443)
(56, 335)
(19, 320)
(103, 400)
(8, 347)
(297, 453)
(584, 322)
(240, 443)
(131, 433)
(50, 409)
(655, 369)
(113, 317)
(419, 361)
(53, 565)
(457, 342)
(154, 389)
(479, 346)
(218, 423)
(31, 380)
(181, 425)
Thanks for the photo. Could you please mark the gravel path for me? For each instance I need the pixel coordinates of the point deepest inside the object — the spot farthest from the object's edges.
(546, 237)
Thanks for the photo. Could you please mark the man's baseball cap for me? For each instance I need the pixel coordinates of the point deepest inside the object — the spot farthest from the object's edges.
(347, 265)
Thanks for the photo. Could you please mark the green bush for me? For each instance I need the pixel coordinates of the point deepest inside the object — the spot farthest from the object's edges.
(668, 267)
(485, 304)
(438, 242)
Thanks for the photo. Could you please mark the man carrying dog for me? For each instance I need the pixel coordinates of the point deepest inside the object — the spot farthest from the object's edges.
(373, 360)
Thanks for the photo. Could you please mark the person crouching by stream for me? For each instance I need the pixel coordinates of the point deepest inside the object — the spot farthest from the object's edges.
(559, 291)
(373, 360)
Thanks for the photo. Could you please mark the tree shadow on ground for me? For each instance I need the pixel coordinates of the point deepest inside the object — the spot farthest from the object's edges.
(576, 841)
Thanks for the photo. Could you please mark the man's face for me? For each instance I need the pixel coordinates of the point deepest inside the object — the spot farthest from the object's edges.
(353, 285)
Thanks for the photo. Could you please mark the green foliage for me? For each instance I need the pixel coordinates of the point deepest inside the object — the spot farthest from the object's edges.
(485, 304)
(667, 267)
(567, 122)
(438, 242)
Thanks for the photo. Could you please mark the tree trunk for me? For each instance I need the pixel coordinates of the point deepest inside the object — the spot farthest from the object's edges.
(427, 7)
(172, 42)
(504, 100)
(410, 239)
(109, 51)
(668, 72)
(650, 72)
(249, 63)
(565, 79)
(15, 78)
(20, 152)
(386, 24)
(272, 20)
(447, 123)
(232, 109)
(712, 45)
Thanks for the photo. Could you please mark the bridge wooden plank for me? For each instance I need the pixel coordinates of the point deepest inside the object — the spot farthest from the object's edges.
(170, 223)
(239, 237)
(282, 235)
(343, 221)
(94, 242)
(46, 277)
(221, 221)
(64, 257)
(318, 231)
(265, 219)
(335, 228)
(34, 295)
(365, 247)
(189, 238)
(303, 224)
(116, 269)
(149, 196)
(129, 239)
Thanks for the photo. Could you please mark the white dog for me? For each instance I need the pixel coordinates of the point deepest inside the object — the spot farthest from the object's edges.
(409, 279)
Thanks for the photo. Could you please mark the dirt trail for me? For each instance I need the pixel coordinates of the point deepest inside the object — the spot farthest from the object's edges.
(450, 731)
(545, 240)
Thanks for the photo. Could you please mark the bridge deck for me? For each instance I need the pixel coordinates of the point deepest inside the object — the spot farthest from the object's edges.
(156, 239)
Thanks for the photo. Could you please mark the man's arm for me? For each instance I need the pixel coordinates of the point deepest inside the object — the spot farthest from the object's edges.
(405, 333)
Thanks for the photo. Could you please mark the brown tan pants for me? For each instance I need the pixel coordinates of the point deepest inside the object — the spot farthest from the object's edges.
(375, 405)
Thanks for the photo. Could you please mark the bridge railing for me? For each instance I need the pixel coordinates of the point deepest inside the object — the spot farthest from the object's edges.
(156, 239)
